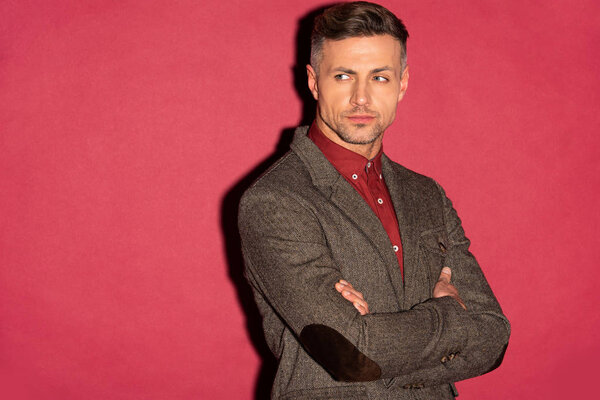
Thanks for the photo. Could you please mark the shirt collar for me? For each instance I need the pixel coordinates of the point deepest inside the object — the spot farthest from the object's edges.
(345, 161)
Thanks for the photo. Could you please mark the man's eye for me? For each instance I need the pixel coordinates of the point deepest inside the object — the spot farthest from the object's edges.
(380, 79)
(342, 77)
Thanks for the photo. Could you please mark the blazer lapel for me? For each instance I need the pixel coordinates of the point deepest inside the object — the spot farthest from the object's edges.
(408, 223)
(350, 202)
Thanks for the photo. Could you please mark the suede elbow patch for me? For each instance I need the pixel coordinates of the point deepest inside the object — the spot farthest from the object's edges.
(338, 355)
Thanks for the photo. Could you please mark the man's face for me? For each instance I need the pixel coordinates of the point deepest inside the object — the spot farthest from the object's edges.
(358, 84)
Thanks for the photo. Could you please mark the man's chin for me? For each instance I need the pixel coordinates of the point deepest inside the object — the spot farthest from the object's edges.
(359, 138)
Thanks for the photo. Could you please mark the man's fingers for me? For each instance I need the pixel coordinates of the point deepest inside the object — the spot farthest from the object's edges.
(361, 309)
(443, 287)
(356, 299)
(353, 296)
(340, 286)
(446, 275)
(345, 283)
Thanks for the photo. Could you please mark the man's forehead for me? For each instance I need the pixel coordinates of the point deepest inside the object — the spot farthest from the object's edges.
(374, 51)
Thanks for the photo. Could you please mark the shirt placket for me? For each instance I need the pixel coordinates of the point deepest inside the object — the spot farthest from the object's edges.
(377, 190)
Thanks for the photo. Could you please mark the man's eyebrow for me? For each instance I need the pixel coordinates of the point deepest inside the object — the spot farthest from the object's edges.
(345, 70)
(382, 69)
(373, 71)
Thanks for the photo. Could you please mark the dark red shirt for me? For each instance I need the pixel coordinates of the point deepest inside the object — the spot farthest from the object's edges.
(366, 177)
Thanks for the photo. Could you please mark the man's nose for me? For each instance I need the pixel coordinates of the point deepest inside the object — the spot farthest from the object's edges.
(360, 94)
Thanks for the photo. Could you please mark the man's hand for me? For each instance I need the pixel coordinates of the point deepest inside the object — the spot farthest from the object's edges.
(353, 296)
(443, 287)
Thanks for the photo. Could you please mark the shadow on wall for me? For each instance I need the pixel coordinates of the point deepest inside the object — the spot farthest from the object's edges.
(230, 203)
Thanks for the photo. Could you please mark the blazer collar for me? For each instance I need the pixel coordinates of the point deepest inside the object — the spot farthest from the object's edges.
(320, 169)
(322, 172)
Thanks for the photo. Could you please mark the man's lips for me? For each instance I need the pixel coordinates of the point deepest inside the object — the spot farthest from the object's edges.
(361, 119)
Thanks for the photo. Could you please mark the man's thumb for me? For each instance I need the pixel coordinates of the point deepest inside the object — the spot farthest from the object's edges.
(446, 274)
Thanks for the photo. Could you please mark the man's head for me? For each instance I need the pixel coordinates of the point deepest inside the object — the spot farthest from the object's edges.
(360, 18)
(358, 73)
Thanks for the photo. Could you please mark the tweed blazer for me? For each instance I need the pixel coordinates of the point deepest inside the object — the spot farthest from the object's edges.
(303, 228)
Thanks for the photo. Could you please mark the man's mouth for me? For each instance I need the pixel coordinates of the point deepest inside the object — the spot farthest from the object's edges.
(361, 118)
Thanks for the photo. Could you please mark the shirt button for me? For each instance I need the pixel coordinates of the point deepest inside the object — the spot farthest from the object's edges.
(380, 177)
(380, 201)
(354, 176)
(395, 248)
(368, 164)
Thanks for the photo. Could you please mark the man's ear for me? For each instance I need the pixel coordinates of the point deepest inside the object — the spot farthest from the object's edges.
(312, 81)
(403, 83)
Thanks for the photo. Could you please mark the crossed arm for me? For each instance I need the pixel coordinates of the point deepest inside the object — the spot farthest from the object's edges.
(442, 288)
(290, 267)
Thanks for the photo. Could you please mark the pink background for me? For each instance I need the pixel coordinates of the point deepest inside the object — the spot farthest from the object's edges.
(129, 128)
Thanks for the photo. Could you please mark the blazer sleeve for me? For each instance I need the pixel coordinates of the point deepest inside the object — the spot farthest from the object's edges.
(289, 264)
(486, 327)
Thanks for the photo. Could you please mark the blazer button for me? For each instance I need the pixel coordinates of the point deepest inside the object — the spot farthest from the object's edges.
(451, 356)
(444, 359)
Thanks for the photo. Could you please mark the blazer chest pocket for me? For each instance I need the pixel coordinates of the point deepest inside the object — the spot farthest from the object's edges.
(434, 247)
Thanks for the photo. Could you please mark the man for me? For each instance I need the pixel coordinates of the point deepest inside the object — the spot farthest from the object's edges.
(359, 266)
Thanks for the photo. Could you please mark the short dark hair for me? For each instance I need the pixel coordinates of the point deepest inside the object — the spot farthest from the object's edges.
(355, 19)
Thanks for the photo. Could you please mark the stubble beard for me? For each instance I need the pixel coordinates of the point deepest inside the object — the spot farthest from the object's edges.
(345, 131)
